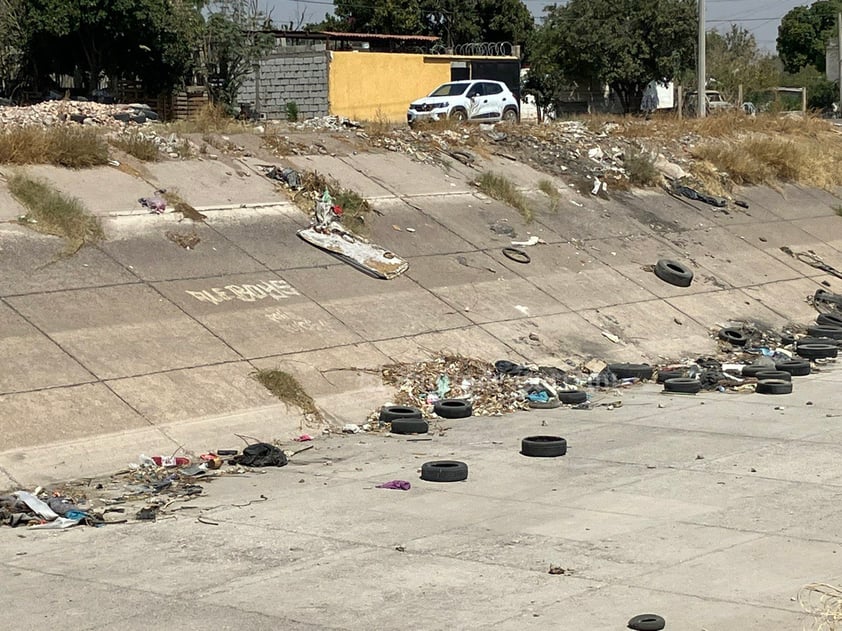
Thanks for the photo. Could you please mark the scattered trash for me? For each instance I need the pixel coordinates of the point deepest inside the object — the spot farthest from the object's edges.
(303, 438)
(690, 193)
(557, 570)
(533, 240)
(156, 204)
(351, 428)
(290, 177)
(813, 260)
(261, 455)
(518, 256)
(399, 485)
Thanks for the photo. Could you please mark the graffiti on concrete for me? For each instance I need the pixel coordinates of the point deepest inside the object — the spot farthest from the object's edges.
(275, 289)
(294, 325)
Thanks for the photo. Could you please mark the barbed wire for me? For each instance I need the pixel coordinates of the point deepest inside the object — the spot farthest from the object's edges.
(486, 49)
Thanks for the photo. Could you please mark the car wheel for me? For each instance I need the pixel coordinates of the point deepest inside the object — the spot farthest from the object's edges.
(684, 385)
(795, 367)
(510, 115)
(647, 622)
(459, 115)
(453, 408)
(444, 471)
(572, 397)
(543, 446)
(733, 336)
(773, 386)
(628, 371)
(389, 413)
(674, 273)
(409, 426)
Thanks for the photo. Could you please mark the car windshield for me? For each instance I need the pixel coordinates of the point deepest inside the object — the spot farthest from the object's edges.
(449, 89)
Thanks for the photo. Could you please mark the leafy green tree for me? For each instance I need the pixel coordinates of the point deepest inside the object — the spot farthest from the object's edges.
(152, 40)
(804, 33)
(734, 59)
(232, 43)
(11, 40)
(454, 21)
(622, 43)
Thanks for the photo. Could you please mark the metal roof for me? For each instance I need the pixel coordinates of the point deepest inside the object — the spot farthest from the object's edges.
(414, 38)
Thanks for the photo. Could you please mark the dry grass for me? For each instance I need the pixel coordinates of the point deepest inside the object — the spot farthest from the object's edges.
(288, 389)
(211, 118)
(380, 125)
(501, 188)
(72, 147)
(137, 145)
(640, 168)
(550, 190)
(52, 212)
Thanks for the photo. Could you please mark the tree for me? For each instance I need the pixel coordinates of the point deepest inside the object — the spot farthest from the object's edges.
(234, 40)
(804, 33)
(734, 59)
(11, 39)
(625, 44)
(454, 21)
(150, 40)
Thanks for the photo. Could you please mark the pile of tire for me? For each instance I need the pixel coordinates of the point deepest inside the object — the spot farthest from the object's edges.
(403, 419)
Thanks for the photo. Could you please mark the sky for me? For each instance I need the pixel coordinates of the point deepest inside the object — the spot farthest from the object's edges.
(761, 17)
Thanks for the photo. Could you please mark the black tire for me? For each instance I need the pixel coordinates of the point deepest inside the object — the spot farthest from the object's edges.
(752, 369)
(550, 404)
(389, 413)
(123, 117)
(518, 256)
(572, 397)
(733, 336)
(459, 115)
(773, 386)
(817, 351)
(77, 118)
(829, 319)
(825, 330)
(674, 273)
(810, 339)
(684, 385)
(627, 371)
(543, 446)
(510, 115)
(787, 340)
(663, 375)
(795, 367)
(774, 374)
(409, 426)
(444, 471)
(647, 622)
(453, 408)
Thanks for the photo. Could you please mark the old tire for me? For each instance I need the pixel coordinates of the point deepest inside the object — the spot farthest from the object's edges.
(663, 375)
(628, 371)
(453, 408)
(795, 367)
(518, 256)
(572, 397)
(684, 385)
(647, 622)
(829, 319)
(410, 426)
(389, 413)
(773, 386)
(674, 273)
(825, 330)
(733, 336)
(551, 404)
(543, 446)
(810, 339)
(774, 374)
(817, 351)
(752, 369)
(444, 471)
(459, 115)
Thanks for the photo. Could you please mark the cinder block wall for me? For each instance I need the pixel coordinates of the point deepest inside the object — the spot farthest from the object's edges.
(299, 76)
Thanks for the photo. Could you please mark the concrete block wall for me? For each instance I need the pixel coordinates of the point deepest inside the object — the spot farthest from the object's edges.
(299, 76)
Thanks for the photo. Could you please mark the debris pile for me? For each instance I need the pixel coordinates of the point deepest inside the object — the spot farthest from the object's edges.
(49, 113)
(327, 123)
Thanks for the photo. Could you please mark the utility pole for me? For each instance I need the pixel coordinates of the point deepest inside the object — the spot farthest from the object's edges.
(701, 71)
(839, 57)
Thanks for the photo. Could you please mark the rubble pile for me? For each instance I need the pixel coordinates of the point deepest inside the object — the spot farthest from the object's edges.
(423, 383)
(49, 113)
(327, 123)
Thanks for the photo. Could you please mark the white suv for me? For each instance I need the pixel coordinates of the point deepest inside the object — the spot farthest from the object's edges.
(480, 101)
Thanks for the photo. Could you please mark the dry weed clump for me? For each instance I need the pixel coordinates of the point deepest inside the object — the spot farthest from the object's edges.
(212, 117)
(137, 145)
(72, 147)
(501, 188)
(52, 212)
(289, 390)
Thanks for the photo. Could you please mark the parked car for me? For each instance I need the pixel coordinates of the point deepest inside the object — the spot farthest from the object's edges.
(481, 101)
(715, 102)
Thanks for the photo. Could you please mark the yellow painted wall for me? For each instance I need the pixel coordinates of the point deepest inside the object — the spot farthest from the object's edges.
(376, 86)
